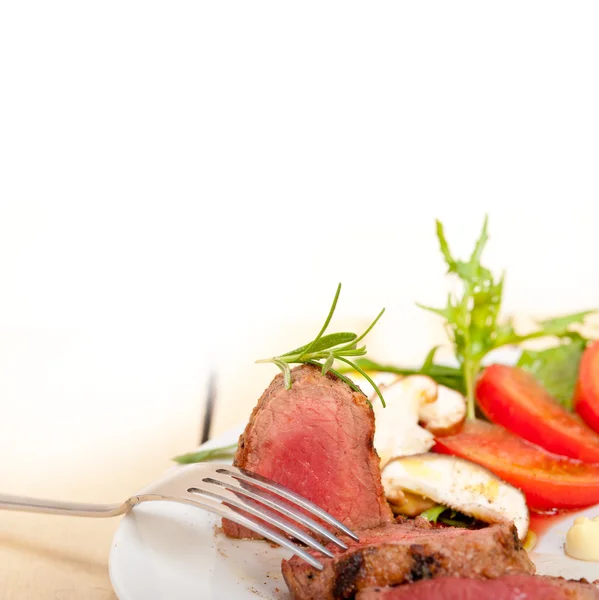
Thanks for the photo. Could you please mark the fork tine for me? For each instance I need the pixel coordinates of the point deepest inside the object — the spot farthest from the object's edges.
(248, 505)
(279, 490)
(233, 484)
(228, 513)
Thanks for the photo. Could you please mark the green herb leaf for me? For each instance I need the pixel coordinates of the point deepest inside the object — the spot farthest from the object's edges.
(326, 322)
(432, 514)
(341, 376)
(559, 326)
(328, 363)
(556, 369)
(472, 315)
(204, 455)
(324, 343)
(286, 372)
(451, 377)
(370, 327)
(430, 359)
(366, 376)
(327, 348)
(453, 522)
(445, 247)
(449, 313)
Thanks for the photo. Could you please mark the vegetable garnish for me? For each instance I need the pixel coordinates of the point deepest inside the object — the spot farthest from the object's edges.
(204, 455)
(432, 514)
(586, 397)
(548, 481)
(513, 398)
(460, 485)
(435, 515)
(472, 321)
(556, 368)
(324, 350)
(450, 377)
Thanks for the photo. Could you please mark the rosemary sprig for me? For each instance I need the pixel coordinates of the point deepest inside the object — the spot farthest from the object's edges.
(324, 350)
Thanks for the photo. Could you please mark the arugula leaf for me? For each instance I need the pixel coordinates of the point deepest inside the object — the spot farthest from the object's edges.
(429, 361)
(437, 514)
(204, 455)
(432, 514)
(560, 325)
(471, 317)
(556, 368)
(472, 321)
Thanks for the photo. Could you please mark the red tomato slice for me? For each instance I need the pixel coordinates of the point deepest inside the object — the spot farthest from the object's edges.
(586, 395)
(548, 481)
(513, 398)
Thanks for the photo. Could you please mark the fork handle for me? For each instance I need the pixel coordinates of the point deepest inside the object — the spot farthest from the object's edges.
(56, 507)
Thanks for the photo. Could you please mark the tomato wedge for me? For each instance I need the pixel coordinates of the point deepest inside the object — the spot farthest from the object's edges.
(548, 481)
(513, 398)
(586, 394)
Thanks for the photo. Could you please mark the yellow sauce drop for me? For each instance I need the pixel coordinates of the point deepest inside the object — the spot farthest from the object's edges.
(418, 468)
(530, 541)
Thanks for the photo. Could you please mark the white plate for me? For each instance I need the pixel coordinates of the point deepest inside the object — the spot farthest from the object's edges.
(169, 551)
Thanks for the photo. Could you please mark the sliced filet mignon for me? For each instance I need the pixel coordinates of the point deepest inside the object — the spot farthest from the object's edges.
(509, 587)
(407, 552)
(317, 440)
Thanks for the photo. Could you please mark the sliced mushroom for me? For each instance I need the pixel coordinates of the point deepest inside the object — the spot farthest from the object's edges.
(397, 432)
(446, 414)
(411, 400)
(458, 484)
(408, 504)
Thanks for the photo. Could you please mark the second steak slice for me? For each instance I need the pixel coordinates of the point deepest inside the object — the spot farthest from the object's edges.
(403, 553)
(317, 440)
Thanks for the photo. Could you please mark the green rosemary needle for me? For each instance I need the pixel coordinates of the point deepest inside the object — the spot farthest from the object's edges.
(324, 350)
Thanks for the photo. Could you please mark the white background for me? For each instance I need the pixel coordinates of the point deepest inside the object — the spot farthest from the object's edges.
(183, 185)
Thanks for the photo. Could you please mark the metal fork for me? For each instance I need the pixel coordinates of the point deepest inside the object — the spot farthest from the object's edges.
(224, 490)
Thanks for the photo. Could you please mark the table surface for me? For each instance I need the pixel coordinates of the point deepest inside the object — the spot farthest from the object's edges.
(50, 557)
(66, 558)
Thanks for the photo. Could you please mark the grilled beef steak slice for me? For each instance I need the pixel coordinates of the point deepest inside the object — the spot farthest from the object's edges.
(317, 440)
(407, 552)
(508, 587)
